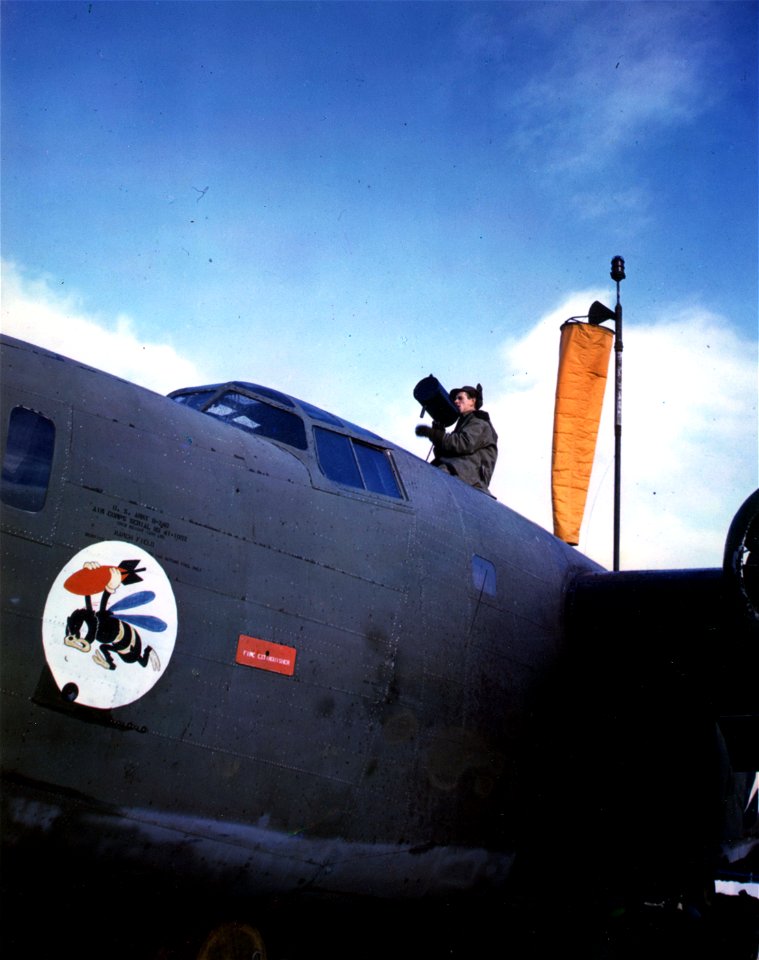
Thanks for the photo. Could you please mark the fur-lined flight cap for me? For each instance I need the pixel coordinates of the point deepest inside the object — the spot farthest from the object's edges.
(474, 392)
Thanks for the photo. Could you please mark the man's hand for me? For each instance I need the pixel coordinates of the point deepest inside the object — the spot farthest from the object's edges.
(436, 432)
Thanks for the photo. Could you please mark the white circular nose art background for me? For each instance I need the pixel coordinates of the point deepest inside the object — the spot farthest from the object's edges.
(116, 658)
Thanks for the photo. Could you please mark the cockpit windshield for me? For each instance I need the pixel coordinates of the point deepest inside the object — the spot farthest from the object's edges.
(357, 459)
(249, 414)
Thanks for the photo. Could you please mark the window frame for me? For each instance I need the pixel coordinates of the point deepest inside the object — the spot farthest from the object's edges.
(350, 444)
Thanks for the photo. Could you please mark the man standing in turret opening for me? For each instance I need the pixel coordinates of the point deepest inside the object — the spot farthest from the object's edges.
(470, 450)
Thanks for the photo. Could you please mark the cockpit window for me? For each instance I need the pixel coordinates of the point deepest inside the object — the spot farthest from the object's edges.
(345, 459)
(197, 400)
(317, 414)
(259, 418)
(355, 464)
(28, 460)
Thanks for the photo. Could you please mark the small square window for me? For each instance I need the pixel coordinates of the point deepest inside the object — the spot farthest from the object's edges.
(483, 576)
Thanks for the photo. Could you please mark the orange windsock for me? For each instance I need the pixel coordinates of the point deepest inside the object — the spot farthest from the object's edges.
(583, 366)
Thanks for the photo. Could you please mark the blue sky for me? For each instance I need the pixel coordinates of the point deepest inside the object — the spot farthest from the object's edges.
(337, 199)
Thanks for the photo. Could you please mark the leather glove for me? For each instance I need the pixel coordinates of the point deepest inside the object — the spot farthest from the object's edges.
(435, 432)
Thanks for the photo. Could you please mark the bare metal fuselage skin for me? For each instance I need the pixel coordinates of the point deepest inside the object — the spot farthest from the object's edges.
(376, 751)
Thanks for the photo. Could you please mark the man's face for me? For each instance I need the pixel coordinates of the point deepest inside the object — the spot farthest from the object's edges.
(464, 403)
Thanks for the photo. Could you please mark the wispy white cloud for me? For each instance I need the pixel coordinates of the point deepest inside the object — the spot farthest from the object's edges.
(33, 310)
(622, 73)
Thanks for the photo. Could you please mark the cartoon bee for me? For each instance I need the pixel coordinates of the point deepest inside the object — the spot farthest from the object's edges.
(115, 635)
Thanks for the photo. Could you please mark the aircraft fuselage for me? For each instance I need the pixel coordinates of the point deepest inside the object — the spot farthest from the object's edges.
(315, 677)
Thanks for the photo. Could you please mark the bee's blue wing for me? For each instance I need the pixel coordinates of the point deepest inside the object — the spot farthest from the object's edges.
(147, 623)
(133, 600)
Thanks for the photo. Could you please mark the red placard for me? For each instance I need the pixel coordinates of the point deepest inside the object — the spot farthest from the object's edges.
(252, 652)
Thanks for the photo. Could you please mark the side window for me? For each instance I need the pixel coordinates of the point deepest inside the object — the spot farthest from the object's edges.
(355, 464)
(483, 576)
(336, 457)
(376, 470)
(28, 460)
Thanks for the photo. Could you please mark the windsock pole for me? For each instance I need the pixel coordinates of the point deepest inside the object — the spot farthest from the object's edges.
(617, 274)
